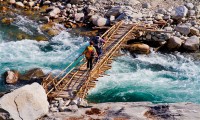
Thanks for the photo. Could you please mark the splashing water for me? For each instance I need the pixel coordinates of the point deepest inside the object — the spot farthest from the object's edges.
(155, 78)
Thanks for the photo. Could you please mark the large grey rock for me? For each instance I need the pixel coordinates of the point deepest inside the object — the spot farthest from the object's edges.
(27, 103)
(184, 29)
(174, 43)
(114, 11)
(179, 12)
(34, 73)
(192, 43)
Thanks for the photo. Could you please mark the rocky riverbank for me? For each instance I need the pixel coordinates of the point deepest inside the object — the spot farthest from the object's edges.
(24, 103)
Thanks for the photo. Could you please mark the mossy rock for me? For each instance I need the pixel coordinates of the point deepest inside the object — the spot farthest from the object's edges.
(41, 38)
(7, 21)
(47, 27)
(53, 32)
(21, 36)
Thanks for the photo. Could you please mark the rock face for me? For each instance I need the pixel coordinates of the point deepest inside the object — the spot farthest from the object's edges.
(192, 44)
(179, 12)
(12, 77)
(27, 103)
(174, 43)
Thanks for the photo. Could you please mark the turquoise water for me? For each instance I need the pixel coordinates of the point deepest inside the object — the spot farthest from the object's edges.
(156, 77)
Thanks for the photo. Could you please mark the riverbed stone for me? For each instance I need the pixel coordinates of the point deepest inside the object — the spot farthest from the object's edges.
(12, 1)
(190, 6)
(139, 48)
(194, 31)
(20, 4)
(79, 17)
(183, 28)
(179, 12)
(114, 11)
(174, 43)
(28, 102)
(192, 43)
(12, 76)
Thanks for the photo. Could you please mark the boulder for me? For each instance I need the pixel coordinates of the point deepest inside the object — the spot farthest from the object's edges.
(139, 48)
(174, 43)
(114, 11)
(12, 76)
(183, 28)
(190, 6)
(54, 12)
(26, 103)
(12, 1)
(191, 44)
(79, 17)
(31, 4)
(19, 4)
(100, 21)
(35, 73)
(194, 31)
(179, 12)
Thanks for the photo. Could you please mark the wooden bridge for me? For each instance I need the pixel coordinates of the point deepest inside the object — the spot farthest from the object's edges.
(78, 81)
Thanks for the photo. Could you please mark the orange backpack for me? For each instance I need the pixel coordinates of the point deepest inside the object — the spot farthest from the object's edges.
(90, 52)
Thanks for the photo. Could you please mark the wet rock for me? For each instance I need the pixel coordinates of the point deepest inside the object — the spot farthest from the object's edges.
(192, 44)
(179, 12)
(28, 102)
(19, 4)
(184, 29)
(35, 73)
(12, 76)
(7, 21)
(174, 43)
(41, 38)
(21, 36)
(194, 31)
(139, 48)
(45, 19)
(53, 32)
(46, 27)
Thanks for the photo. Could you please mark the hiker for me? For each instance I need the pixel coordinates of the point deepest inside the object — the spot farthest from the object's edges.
(90, 53)
(98, 44)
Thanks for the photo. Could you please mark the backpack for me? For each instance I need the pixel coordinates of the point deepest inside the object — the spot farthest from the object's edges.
(90, 52)
(96, 41)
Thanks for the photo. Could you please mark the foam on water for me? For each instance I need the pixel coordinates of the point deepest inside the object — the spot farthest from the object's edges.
(53, 55)
(156, 78)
